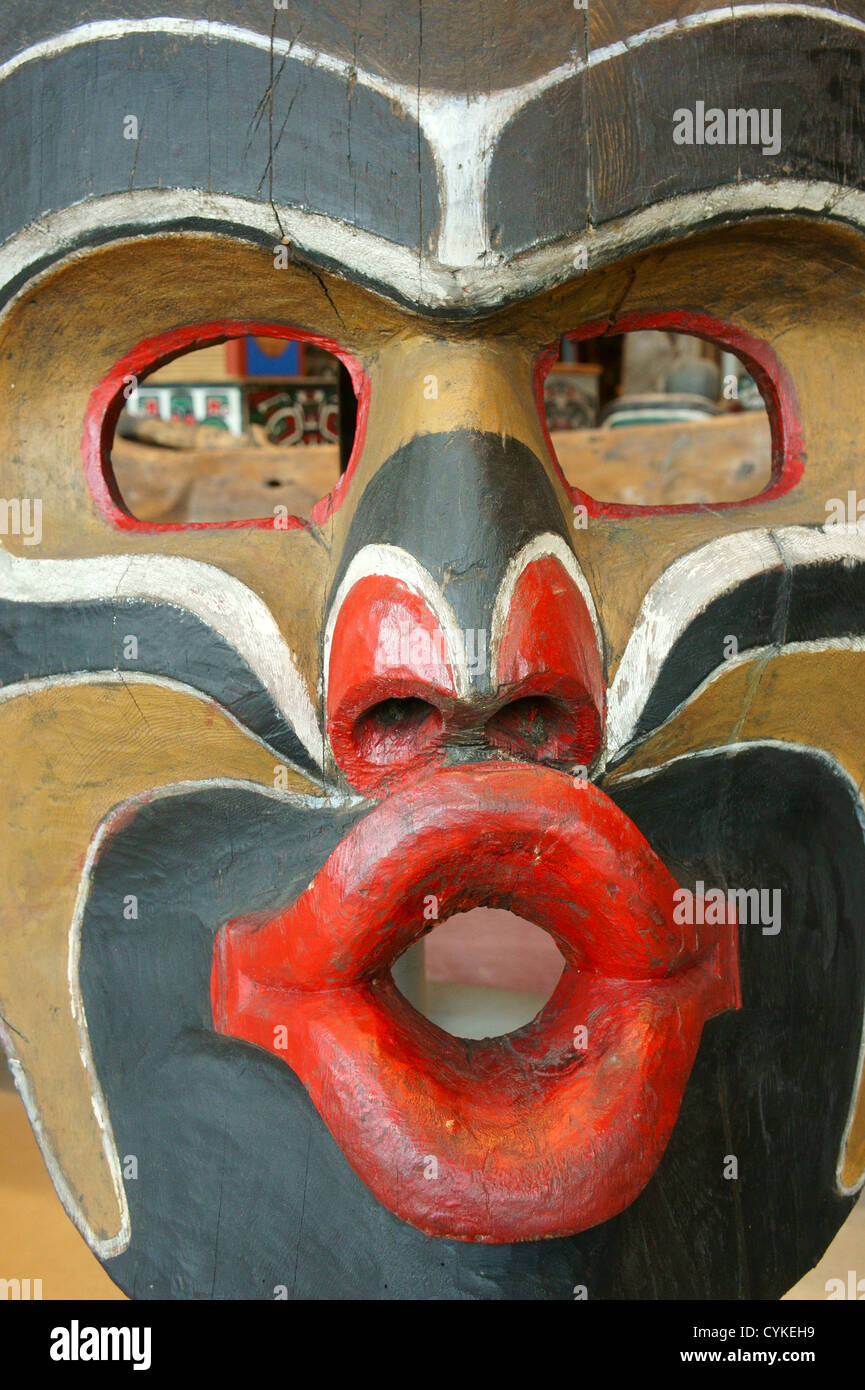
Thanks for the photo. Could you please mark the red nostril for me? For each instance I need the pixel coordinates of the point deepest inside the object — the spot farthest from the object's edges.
(532, 719)
(540, 727)
(389, 679)
(400, 688)
(396, 730)
(549, 661)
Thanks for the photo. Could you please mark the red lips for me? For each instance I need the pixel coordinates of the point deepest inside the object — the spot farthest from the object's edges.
(550, 1130)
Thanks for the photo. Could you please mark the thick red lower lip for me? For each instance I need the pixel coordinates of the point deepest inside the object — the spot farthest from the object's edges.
(545, 1132)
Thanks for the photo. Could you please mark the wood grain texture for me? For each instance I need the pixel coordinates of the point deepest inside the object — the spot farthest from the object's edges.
(612, 22)
(415, 41)
(74, 752)
(727, 459)
(230, 484)
(340, 149)
(452, 485)
(35, 1233)
(809, 699)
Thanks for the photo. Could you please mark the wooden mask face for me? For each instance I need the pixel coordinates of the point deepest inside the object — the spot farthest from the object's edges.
(464, 681)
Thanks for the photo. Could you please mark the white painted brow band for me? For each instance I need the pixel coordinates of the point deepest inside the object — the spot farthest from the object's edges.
(749, 655)
(217, 598)
(823, 755)
(537, 549)
(688, 586)
(462, 132)
(106, 30)
(393, 561)
(481, 285)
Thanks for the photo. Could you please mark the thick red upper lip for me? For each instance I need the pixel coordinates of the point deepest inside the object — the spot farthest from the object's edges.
(526, 1136)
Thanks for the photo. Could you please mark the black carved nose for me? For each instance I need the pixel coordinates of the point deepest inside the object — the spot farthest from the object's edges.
(458, 615)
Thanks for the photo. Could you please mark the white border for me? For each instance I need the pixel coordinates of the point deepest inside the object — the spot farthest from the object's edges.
(687, 587)
(546, 544)
(396, 563)
(114, 1245)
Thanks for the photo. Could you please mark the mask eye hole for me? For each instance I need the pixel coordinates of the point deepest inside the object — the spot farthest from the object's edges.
(668, 412)
(225, 425)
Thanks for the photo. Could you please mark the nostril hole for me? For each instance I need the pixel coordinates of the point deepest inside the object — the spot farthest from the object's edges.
(399, 714)
(531, 719)
(394, 730)
(546, 728)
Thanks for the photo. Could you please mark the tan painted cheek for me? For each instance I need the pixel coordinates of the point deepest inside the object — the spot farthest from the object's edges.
(73, 753)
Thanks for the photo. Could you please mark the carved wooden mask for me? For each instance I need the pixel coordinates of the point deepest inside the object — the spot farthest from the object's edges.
(217, 847)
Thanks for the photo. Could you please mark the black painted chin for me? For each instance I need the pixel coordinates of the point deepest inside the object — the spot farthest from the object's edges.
(241, 1190)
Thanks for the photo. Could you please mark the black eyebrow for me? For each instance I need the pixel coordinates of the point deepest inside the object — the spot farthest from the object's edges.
(345, 153)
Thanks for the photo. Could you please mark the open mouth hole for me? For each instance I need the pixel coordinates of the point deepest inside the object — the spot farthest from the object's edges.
(480, 974)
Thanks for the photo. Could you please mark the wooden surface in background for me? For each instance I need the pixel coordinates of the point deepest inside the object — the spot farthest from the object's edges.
(721, 459)
(37, 1239)
(178, 485)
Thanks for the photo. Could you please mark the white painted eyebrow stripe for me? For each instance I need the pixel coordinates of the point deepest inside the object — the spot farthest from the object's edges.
(462, 133)
(394, 562)
(103, 30)
(687, 587)
(483, 285)
(106, 30)
(538, 548)
(218, 598)
(731, 13)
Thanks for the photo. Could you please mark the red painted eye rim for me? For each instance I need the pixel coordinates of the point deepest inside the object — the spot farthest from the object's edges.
(106, 403)
(771, 378)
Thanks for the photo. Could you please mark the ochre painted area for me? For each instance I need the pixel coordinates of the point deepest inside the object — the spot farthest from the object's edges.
(37, 1239)
(71, 754)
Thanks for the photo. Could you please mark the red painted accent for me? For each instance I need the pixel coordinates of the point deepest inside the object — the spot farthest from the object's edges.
(392, 701)
(387, 646)
(235, 357)
(550, 666)
(772, 379)
(107, 399)
(531, 1137)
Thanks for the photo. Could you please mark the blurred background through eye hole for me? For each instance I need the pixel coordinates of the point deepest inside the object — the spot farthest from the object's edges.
(233, 431)
(257, 427)
(655, 418)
